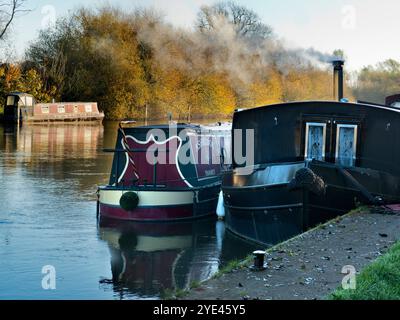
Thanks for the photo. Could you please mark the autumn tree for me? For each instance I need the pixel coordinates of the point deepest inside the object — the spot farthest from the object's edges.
(375, 83)
(15, 77)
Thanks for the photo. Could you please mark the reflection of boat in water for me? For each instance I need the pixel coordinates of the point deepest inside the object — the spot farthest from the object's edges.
(64, 152)
(147, 258)
(164, 173)
(312, 162)
(59, 140)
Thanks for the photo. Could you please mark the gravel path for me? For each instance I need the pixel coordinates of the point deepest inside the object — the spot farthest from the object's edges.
(309, 266)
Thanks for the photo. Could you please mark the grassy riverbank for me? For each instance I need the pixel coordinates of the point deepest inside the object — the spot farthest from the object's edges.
(378, 281)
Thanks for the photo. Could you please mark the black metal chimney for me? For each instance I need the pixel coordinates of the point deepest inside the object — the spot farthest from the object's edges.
(338, 79)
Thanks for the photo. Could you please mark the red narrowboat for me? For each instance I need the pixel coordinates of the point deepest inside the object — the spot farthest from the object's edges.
(165, 172)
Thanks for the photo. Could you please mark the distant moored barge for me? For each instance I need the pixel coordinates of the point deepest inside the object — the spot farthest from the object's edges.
(22, 107)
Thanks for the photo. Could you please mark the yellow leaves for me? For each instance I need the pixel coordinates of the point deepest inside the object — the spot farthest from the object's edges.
(167, 87)
(261, 94)
(12, 75)
(183, 93)
(263, 91)
(221, 99)
(309, 84)
(12, 78)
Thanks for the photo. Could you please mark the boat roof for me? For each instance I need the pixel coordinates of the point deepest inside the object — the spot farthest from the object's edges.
(326, 102)
(166, 126)
(20, 94)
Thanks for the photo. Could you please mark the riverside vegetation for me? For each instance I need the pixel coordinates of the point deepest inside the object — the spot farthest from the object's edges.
(136, 62)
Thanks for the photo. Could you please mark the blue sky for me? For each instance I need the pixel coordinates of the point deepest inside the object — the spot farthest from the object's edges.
(365, 29)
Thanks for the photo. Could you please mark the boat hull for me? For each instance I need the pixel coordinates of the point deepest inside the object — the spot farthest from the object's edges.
(64, 118)
(159, 205)
(270, 214)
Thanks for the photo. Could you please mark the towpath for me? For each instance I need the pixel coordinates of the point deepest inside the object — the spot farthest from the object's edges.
(309, 266)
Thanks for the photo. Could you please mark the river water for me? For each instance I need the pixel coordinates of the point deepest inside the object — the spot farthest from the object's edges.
(48, 180)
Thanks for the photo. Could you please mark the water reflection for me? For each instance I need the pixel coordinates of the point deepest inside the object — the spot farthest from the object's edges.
(148, 258)
(56, 140)
(69, 153)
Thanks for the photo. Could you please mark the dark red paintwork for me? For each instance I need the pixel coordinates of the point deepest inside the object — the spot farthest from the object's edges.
(150, 214)
(166, 173)
(154, 229)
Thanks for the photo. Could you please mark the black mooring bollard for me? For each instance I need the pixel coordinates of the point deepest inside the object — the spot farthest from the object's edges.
(259, 256)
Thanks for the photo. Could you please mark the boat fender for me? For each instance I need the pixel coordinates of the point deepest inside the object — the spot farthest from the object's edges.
(129, 201)
(306, 178)
(220, 206)
(220, 233)
(128, 241)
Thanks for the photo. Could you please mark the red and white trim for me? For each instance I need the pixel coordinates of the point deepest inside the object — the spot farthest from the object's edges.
(149, 198)
(153, 205)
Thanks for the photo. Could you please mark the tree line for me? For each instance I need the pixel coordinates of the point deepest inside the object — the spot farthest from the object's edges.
(130, 62)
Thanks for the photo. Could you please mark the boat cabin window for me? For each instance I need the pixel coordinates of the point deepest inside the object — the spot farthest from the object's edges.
(88, 108)
(315, 141)
(45, 109)
(61, 109)
(11, 100)
(346, 144)
(28, 101)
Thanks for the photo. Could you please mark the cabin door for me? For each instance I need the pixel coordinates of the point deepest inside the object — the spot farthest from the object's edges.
(346, 142)
(332, 140)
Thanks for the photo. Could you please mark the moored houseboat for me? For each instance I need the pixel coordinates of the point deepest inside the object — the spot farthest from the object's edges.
(312, 161)
(22, 108)
(164, 172)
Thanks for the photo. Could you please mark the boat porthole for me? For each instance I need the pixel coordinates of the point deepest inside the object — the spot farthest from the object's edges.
(129, 201)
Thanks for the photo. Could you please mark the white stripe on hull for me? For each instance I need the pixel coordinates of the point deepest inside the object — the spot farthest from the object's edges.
(149, 198)
(149, 243)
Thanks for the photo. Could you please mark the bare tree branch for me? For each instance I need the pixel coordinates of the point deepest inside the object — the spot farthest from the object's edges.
(9, 11)
(247, 23)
